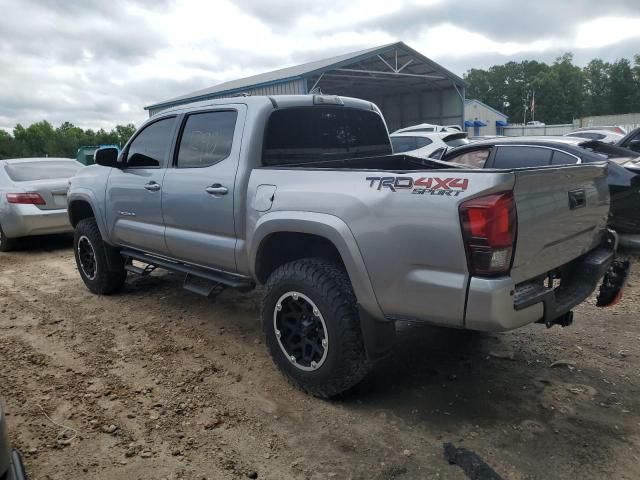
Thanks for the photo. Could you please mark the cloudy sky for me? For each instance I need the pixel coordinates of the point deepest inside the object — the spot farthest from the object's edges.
(97, 63)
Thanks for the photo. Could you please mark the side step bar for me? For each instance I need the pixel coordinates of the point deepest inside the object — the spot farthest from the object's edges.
(223, 278)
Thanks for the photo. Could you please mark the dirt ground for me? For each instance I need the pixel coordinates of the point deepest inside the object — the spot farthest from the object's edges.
(156, 382)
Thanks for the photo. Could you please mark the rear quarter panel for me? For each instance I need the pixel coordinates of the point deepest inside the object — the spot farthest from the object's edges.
(411, 242)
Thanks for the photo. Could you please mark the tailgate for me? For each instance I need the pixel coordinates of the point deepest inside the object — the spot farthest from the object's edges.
(561, 214)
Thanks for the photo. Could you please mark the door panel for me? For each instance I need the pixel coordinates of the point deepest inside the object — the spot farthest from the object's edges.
(198, 194)
(134, 193)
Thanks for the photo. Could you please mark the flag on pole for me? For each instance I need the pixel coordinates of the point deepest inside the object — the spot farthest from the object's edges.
(533, 102)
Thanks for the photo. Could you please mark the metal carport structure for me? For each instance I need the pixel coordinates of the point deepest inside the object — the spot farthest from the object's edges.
(408, 87)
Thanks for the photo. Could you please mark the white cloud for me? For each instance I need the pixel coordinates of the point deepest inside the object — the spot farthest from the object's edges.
(601, 32)
(448, 40)
(97, 64)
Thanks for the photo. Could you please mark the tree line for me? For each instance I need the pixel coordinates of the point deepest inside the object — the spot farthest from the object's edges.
(41, 139)
(562, 91)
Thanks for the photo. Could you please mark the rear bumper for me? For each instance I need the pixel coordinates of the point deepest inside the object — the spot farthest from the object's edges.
(499, 304)
(26, 220)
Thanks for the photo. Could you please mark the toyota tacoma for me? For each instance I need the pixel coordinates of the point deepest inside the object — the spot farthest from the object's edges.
(301, 194)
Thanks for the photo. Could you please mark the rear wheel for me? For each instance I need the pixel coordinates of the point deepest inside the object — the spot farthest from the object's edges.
(312, 329)
(91, 258)
(6, 244)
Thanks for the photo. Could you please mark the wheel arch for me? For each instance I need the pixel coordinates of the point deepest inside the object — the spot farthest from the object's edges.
(280, 237)
(82, 205)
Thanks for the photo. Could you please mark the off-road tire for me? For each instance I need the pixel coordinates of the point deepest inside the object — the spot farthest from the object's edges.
(6, 244)
(108, 278)
(327, 285)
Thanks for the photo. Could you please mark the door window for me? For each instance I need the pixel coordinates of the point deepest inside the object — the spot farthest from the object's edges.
(206, 138)
(473, 159)
(150, 148)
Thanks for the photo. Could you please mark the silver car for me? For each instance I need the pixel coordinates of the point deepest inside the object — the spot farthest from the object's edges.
(33, 197)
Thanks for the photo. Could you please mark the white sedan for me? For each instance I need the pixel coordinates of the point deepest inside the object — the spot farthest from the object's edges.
(426, 144)
(33, 198)
(603, 135)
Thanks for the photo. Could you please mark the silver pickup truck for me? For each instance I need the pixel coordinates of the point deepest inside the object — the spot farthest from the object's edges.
(302, 194)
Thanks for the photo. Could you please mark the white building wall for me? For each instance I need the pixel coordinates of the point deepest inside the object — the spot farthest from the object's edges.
(628, 121)
(479, 111)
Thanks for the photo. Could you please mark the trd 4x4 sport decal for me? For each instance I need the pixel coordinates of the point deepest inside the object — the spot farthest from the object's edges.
(451, 187)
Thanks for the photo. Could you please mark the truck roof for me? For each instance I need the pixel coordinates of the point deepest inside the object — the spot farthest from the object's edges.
(275, 100)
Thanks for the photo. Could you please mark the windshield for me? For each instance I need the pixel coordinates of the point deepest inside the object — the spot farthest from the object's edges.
(42, 170)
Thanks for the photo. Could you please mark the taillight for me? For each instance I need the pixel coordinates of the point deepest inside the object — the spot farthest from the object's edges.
(489, 231)
(31, 198)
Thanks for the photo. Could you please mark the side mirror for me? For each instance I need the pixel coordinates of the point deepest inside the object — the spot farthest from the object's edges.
(107, 157)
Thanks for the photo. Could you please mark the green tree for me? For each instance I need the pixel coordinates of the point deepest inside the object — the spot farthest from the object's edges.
(41, 139)
(622, 88)
(597, 85)
(560, 94)
(7, 145)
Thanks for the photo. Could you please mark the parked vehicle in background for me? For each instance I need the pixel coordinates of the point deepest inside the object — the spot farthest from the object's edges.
(302, 194)
(430, 128)
(605, 136)
(33, 197)
(426, 144)
(518, 152)
(610, 128)
(11, 467)
(631, 141)
(536, 123)
(477, 138)
(85, 154)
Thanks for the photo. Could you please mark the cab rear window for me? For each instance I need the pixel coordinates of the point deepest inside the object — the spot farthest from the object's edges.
(44, 170)
(312, 134)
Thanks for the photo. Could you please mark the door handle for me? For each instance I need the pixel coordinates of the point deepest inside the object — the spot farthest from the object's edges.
(152, 186)
(577, 199)
(217, 189)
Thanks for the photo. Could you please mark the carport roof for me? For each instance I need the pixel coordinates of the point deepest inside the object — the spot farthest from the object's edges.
(409, 64)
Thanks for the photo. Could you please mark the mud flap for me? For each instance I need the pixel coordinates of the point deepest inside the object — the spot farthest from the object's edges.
(378, 336)
(613, 283)
(473, 466)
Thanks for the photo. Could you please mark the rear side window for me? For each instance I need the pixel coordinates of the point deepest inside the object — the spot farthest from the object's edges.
(562, 158)
(44, 170)
(519, 157)
(591, 135)
(150, 148)
(403, 144)
(422, 142)
(406, 144)
(312, 134)
(473, 159)
(206, 139)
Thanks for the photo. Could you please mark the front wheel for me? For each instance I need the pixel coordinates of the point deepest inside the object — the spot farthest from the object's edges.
(91, 258)
(312, 329)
